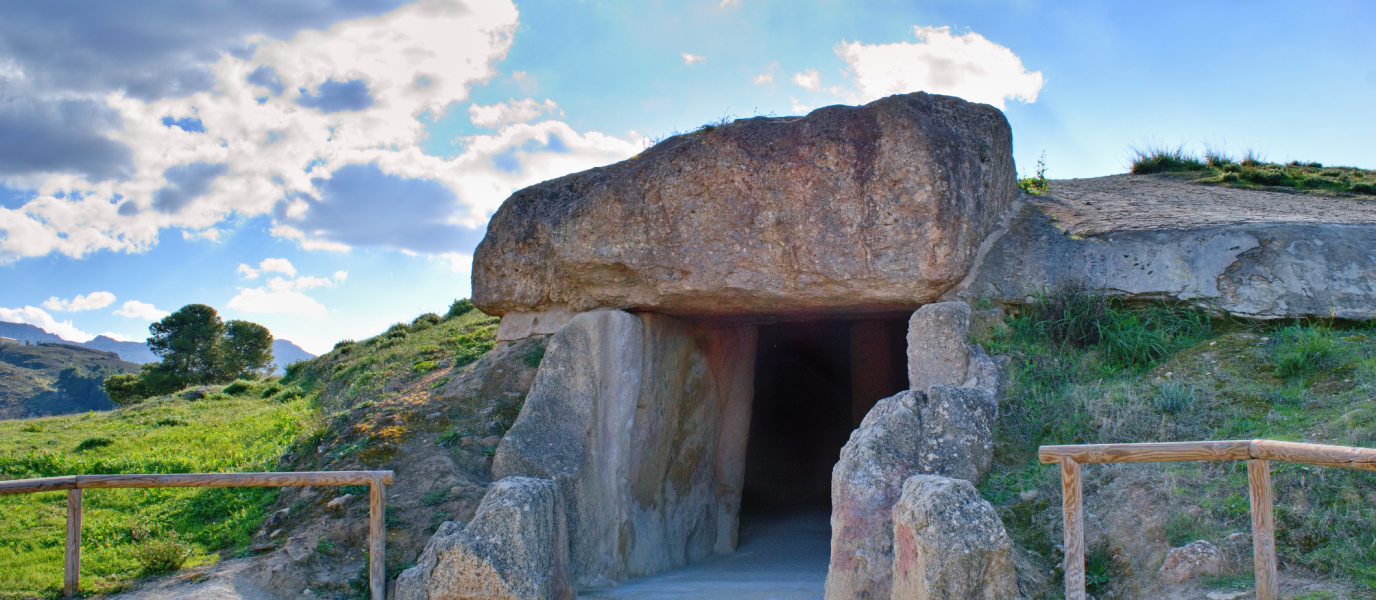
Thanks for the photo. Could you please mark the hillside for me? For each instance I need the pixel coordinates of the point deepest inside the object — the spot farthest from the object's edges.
(29, 377)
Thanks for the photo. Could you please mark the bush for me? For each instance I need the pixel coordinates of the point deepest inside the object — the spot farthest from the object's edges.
(425, 366)
(459, 308)
(425, 321)
(238, 386)
(1174, 398)
(400, 330)
(1038, 184)
(162, 554)
(1164, 160)
(1301, 351)
(93, 443)
(125, 388)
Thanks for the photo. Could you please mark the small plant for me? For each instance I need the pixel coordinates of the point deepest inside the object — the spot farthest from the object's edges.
(1300, 351)
(1174, 398)
(1036, 185)
(1164, 160)
(450, 438)
(392, 518)
(425, 366)
(162, 554)
(1097, 565)
(238, 386)
(324, 545)
(170, 422)
(397, 331)
(93, 443)
(533, 357)
(435, 497)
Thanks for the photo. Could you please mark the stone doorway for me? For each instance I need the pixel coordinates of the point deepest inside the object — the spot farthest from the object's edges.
(814, 382)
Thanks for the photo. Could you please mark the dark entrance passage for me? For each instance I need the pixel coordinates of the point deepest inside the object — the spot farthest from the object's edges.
(814, 382)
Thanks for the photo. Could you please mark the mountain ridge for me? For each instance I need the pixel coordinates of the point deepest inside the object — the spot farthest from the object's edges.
(284, 352)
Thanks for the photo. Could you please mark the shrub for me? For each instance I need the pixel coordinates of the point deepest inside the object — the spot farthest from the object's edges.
(534, 356)
(400, 330)
(92, 443)
(435, 497)
(162, 554)
(1174, 398)
(1038, 184)
(426, 321)
(1164, 160)
(1364, 188)
(425, 366)
(459, 308)
(1300, 351)
(238, 386)
(450, 438)
(125, 388)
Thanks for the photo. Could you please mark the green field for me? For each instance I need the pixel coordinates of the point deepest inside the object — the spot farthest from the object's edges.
(124, 531)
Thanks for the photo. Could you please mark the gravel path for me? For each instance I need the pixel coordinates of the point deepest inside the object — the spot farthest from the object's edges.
(1140, 202)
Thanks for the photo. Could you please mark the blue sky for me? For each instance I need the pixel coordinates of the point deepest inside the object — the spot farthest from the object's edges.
(326, 168)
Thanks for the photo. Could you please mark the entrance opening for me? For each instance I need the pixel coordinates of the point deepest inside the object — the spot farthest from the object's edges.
(814, 382)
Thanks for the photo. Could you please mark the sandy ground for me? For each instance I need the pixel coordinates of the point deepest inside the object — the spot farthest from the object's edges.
(1140, 202)
(779, 558)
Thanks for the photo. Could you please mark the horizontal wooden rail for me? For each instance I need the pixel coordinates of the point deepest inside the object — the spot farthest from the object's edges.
(1257, 453)
(375, 480)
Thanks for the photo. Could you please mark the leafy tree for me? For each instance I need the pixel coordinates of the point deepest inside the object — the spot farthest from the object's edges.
(245, 351)
(85, 387)
(125, 388)
(189, 343)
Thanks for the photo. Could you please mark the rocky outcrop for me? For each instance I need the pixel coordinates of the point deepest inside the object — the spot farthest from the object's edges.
(515, 548)
(865, 484)
(949, 544)
(641, 421)
(879, 207)
(1192, 560)
(1248, 253)
(938, 345)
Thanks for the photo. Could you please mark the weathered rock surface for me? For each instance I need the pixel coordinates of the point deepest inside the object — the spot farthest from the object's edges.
(515, 548)
(957, 432)
(642, 422)
(949, 544)
(851, 209)
(1246, 252)
(1192, 560)
(865, 484)
(938, 345)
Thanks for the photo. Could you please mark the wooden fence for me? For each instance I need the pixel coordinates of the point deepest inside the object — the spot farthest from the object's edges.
(1257, 453)
(375, 480)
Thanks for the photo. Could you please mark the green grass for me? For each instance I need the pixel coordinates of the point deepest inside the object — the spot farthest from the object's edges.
(1088, 370)
(1217, 168)
(129, 533)
(1038, 184)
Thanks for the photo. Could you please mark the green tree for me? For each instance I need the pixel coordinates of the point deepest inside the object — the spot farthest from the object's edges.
(85, 387)
(126, 388)
(245, 351)
(189, 343)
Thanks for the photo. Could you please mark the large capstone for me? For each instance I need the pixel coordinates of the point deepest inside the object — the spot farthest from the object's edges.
(875, 208)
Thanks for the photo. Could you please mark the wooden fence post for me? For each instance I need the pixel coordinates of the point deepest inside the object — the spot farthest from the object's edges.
(1263, 528)
(377, 539)
(71, 565)
(1074, 563)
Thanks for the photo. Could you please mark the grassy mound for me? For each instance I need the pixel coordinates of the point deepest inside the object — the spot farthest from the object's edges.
(1089, 370)
(129, 533)
(1252, 172)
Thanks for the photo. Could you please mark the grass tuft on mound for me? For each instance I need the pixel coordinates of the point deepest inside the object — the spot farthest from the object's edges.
(1218, 168)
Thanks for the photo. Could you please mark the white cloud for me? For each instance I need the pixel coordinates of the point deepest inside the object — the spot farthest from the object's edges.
(264, 154)
(808, 80)
(726, 3)
(306, 282)
(40, 318)
(141, 310)
(118, 337)
(798, 107)
(340, 276)
(279, 265)
(501, 113)
(768, 75)
(689, 59)
(247, 271)
(968, 66)
(276, 301)
(211, 234)
(90, 301)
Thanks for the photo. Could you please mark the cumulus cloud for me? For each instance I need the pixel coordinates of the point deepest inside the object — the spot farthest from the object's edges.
(808, 80)
(968, 66)
(141, 310)
(265, 300)
(40, 318)
(282, 125)
(502, 113)
(689, 59)
(798, 107)
(90, 301)
(340, 276)
(247, 271)
(768, 75)
(277, 265)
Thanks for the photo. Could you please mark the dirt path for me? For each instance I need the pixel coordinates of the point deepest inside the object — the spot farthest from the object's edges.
(1140, 202)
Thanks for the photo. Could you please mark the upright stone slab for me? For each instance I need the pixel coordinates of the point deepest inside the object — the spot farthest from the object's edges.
(873, 208)
(515, 548)
(949, 544)
(939, 345)
(957, 432)
(642, 421)
(865, 484)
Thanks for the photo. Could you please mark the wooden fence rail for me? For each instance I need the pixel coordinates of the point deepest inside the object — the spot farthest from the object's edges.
(1257, 453)
(375, 480)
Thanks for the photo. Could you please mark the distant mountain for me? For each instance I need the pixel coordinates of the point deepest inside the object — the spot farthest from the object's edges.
(135, 352)
(283, 351)
(31, 379)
